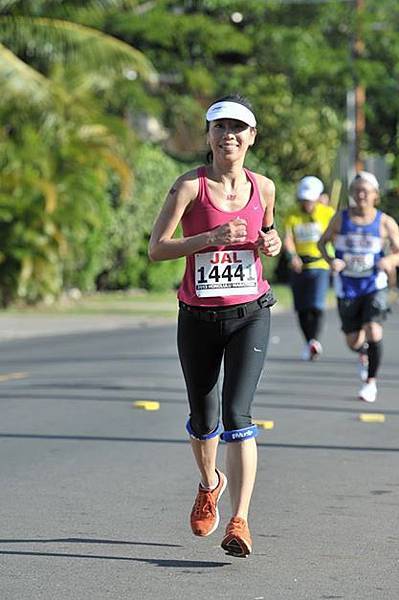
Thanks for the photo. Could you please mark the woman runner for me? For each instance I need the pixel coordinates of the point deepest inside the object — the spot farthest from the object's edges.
(226, 212)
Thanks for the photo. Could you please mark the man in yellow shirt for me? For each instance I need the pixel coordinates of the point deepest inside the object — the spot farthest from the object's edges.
(309, 271)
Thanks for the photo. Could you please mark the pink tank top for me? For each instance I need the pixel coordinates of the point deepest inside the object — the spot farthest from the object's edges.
(223, 275)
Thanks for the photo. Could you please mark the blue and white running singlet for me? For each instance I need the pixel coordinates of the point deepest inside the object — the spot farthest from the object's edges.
(361, 247)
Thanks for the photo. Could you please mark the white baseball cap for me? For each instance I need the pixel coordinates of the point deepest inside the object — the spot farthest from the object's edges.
(231, 110)
(366, 176)
(309, 188)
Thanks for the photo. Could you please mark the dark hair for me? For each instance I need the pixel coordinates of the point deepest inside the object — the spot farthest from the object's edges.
(230, 98)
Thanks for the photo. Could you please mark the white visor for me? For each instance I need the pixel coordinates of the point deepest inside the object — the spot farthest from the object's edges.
(309, 188)
(231, 110)
(366, 176)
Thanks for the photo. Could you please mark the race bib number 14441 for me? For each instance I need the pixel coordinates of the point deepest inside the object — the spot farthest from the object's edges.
(225, 273)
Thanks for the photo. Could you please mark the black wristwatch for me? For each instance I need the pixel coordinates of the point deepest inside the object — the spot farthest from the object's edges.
(267, 229)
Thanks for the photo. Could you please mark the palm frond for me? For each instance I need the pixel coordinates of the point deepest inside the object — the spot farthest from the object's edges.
(62, 39)
(21, 78)
(100, 139)
(135, 6)
(68, 6)
(7, 4)
(98, 8)
(26, 270)
(124, 172)
(49, 191)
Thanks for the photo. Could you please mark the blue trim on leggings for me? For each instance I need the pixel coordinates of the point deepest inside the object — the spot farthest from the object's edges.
(207, 436)
(240, 435)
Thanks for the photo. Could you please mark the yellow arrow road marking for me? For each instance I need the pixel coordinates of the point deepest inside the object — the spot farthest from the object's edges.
(372, 417)
(263, 424)
(146, 405)
(9, 376)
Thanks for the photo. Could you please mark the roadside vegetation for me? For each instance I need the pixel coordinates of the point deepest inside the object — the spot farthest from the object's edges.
(141, 303)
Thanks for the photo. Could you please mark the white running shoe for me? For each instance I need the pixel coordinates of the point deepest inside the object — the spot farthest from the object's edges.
(315, 349)
(312, 350)
(368, 393)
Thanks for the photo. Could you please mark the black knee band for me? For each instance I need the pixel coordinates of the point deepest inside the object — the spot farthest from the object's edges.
(374, 354)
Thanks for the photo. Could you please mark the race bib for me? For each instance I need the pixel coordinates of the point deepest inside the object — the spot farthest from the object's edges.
(307, 232)
(358, 265)
(225, 273)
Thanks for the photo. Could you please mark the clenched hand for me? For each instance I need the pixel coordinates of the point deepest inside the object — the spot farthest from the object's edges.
(269, 243)
(232, 232)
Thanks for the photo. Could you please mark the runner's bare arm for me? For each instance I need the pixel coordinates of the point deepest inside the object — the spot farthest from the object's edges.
(268, 242)
(294, 260)
(163, 246)
(289, 241)
(267, 197)
(391, 233)
(328, 236)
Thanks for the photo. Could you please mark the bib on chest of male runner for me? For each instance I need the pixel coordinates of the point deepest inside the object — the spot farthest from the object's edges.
(361, 247)
(223, 275)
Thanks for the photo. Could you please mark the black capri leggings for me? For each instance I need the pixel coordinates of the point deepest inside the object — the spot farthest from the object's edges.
(242, 343)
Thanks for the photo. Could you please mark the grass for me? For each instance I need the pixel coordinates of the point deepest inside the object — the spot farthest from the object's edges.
(132, 302)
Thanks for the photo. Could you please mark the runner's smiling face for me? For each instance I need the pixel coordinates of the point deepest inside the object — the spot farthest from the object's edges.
(230, 138)
(364, 194)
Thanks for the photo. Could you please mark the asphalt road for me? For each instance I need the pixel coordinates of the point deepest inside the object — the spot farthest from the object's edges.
(95, 494)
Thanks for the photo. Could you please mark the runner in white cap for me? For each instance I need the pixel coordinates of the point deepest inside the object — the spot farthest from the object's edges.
(226, 212)
(310, 273)
(360, 235)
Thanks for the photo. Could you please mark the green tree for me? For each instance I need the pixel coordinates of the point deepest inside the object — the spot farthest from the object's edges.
(128, 231)
(59, 150)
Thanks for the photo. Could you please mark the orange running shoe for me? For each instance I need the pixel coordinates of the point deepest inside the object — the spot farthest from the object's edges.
(204, 516)
(237, 540)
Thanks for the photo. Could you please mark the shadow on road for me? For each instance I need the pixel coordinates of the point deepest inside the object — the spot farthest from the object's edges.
(94, 438)
(85, 541)
(157, 562)
(154, 394)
